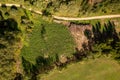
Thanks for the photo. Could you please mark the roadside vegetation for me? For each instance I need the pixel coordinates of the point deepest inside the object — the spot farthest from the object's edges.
(71, 8)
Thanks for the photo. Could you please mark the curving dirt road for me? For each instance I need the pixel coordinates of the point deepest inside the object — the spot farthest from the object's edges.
(21, 6)
(66, 18)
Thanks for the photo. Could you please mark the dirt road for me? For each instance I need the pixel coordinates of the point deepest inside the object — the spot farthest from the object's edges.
(66, 18)
(87, 18)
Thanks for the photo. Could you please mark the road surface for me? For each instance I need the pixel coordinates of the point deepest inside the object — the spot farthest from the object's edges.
(66, 18)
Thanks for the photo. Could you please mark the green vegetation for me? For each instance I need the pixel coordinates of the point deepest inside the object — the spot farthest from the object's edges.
(106, 39)
(94, 69)
(45, 45)
(10, 42)
(71, 8)
(11, 39)
(42, 65)
(48, 38)
(43, 39)
(104, 43)
(41, 45)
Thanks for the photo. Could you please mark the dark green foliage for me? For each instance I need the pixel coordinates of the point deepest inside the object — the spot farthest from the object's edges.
(8, 39)
(24, 20)
(2, 46)
(42, 65)
(18, 76)
(31, 1)
(10, 43)
(4, 6)
(43, 31)
(1, 16)
(80, 54)
(9, 30)
(64, 1)
(84, 2)
(57, 58)
(29, 69)
(27, 21)
(27, 66)
(106, 40)
(88, 33)
(50, 4)
(11, 24)
(14, 8)
(116, 53)
(46, 12)
(108, 32)
(27, 14)
(85, 5)
(7, 13)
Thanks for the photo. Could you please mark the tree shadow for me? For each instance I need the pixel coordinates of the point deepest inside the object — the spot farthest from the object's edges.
(3, 6)
(2, 46)
(79, 54)
(7, 14)
(1, 16)
(84, 2)
(88, 33)
(44, 64)
(30, 69)
(108, 32)
(9, 25)
(18, 76)
(9, 30)
(14, 7)
(106, 37)
(43, 31)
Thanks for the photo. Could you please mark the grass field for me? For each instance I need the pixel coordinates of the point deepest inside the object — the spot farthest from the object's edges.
(98, 69)
(57, 40)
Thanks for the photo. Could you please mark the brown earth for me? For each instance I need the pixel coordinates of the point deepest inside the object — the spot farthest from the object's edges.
(94, 1)
(78, 33)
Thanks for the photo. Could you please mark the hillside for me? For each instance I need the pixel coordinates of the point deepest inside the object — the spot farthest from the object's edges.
(59, 39)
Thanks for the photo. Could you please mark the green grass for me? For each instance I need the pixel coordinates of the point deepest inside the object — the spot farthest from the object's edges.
(98, 69)
(57, 41)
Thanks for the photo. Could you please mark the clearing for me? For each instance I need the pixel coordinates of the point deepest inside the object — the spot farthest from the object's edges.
(48, 38)
(97, 69)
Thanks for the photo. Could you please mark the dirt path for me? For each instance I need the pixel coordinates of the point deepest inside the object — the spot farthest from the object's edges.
(88, 18)
(66, 18)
